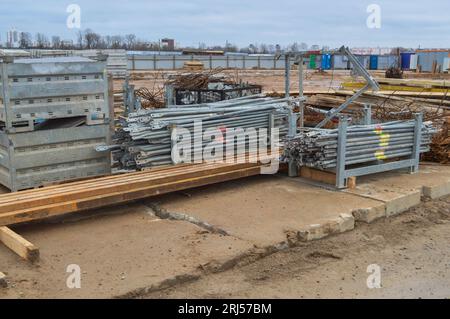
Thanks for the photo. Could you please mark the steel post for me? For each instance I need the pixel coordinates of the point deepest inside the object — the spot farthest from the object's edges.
(367, 114)
(287, 72)
(342, 144)
(417, 141)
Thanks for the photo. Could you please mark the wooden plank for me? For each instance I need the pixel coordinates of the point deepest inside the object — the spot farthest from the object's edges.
(123, 184)
(129, 176)
(324, 176)
(41, 212)
(19, 245)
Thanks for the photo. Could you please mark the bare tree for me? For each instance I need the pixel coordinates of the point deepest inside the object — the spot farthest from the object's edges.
(41, 41)
(231, 47)
(130, 41)
(294, 47)
(117, 42)
(263, 48)
(91, 39)
(253, 48)
(80, 37)
(56, 42)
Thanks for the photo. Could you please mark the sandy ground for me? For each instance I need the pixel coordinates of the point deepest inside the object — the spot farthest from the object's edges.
(271, 80)
(411, 250)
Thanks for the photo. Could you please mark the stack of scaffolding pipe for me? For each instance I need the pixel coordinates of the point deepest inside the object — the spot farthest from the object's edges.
(145, 137)
(368, 143)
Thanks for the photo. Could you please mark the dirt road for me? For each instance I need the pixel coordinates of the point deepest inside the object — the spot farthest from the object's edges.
(412, 251)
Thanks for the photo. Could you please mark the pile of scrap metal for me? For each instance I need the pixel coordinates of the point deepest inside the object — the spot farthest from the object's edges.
(144, 139)
(150, 99)
(384, 107)
(394, 73)
(206, 87)
(318, 148)
(198, 80)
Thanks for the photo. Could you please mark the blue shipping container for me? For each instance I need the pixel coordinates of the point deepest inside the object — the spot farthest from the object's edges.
(406, 60)
(326, 62)
(373, 62)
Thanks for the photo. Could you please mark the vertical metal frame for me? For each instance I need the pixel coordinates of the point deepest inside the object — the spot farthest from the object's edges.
(342, 174)
(342, 145)
(367, 114)
(417, 142)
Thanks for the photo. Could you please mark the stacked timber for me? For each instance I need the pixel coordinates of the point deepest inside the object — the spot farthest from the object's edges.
(413, 85)
(42, 203)
(385, 107)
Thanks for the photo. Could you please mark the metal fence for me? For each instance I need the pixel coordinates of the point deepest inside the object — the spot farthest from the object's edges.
(167, 62)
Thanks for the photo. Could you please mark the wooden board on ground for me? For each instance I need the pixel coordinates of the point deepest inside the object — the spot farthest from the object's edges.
(324, 177)
(73, 197)
(19, 245)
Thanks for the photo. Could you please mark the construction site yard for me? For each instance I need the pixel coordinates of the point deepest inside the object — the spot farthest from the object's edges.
(272, 80)
(267, 236)
(228, 231)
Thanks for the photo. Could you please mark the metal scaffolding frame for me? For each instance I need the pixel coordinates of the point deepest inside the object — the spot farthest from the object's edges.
(343, 173)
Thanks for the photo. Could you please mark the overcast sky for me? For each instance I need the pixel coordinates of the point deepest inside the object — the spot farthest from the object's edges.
(325, 22)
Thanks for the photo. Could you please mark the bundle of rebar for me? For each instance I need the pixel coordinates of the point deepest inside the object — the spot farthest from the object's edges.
(197, 80)
(440, 147)
(151, 99)
(144, 139)
(318, 148)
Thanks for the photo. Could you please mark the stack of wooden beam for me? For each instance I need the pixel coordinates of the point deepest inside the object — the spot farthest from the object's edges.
(409, 85)
(73, 197)
(385, 107)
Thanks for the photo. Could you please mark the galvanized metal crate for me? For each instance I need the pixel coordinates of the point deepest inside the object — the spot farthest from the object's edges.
(39, 158)
(35, 90)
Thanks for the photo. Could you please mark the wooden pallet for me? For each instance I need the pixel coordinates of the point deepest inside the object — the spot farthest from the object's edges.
(79, 196)
(325, 177)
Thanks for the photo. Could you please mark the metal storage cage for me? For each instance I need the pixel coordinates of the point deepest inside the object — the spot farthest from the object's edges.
(34, 90)
(39, 158)
(53, 114)
(187, 97)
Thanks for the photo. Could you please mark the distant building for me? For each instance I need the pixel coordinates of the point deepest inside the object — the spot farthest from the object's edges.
(13, 38)
(202, 52)
(371, 51)
(168, 44)
(67, 43)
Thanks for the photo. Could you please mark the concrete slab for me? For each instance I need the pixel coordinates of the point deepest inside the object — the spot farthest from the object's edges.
(128, 250)
(401, 190)
(268, 210)
(118, 253)
(370, 214)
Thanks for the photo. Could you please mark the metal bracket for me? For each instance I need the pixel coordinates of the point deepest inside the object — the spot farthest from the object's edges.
(371, 82)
